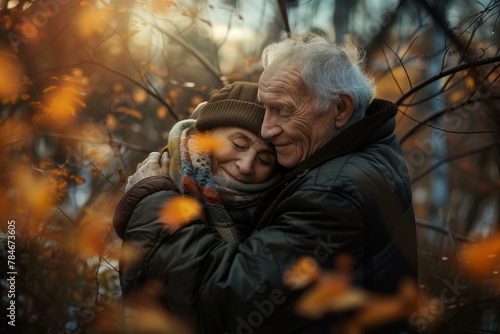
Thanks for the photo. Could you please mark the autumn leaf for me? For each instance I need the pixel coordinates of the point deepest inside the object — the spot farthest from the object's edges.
(180, 211)
(302, 273)
(88, 239)
(378, 310)
(129, 111)
(205, 142)
(140, 95)
(123, 177)
(320, 298)
(38, 193)
(77, 179)
(128, 252)
(95, 172)
(92, 21)
(14, 133)
(111, 122)
(162, 6)
(63, 100)
(161, 112)
(482, 257)
(192, 14)
(50, 88)
(12, 81)
(470, 82)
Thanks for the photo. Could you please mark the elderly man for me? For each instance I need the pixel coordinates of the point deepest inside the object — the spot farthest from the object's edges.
(347, 192)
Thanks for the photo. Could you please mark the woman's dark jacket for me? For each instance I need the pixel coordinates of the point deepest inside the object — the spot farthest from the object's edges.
(352, 196)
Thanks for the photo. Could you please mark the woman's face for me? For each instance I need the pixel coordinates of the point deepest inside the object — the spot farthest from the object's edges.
(242, 156)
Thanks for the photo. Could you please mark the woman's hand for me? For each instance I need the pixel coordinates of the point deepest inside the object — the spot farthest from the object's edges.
(151, 166)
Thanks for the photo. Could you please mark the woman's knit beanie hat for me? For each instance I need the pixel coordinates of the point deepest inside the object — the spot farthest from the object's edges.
(235, 104)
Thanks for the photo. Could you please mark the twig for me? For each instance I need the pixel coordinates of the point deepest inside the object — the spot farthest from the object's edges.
(104, 176)
(437, 115)
(284, 16)
(451, 158)
(132, 147)
(446, 73)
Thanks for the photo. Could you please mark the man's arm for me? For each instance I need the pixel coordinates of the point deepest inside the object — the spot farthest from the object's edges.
(227, 285)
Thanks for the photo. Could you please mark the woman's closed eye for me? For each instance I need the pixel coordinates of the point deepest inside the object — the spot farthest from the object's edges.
(240, 144)
(266, 158)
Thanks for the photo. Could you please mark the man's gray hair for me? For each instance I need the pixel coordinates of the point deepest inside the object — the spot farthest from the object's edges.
(328, 70)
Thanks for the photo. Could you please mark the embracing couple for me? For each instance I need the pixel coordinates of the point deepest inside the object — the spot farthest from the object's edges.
(304, 156)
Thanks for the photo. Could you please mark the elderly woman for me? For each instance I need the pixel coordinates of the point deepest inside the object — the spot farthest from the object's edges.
(228, 182)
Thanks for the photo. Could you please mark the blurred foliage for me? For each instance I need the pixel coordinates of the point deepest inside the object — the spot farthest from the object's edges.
(88, 88)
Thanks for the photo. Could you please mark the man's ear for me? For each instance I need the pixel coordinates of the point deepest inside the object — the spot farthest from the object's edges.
(344, 110)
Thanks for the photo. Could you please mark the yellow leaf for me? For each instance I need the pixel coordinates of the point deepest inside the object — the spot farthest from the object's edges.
(50, 88)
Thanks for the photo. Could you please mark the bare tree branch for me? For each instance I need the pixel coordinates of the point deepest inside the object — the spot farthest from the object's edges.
(284, 16)
(481, 62)
(419, 176)
(441, 113)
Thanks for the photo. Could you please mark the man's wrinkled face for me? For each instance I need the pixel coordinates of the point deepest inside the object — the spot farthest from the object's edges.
(293, 123)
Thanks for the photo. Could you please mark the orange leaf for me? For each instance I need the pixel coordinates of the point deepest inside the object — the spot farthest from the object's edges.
(111, 122)
(95, 172)
(302, 273)
(161, 112)
(318, 300)
(78, 179)
(180, 211)
(123, 177)
(206, 142)
(482, 257)
(132, 112)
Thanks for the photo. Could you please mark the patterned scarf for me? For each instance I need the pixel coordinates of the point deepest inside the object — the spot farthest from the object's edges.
(227, 205)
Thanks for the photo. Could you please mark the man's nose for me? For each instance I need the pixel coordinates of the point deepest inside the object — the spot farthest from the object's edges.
(269, 127)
